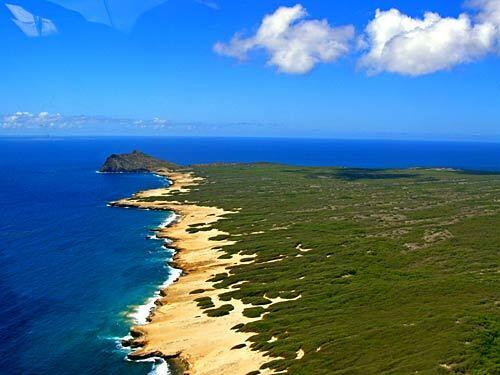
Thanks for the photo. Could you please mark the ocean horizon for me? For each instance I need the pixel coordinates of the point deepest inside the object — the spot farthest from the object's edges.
(75, 274)
(355, 153)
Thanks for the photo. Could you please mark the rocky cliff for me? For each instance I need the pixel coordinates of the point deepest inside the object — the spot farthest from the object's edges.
(135, 162)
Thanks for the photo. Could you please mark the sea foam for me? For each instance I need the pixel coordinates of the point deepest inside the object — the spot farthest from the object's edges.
(161, 367)
(171, 218)
(140, 314)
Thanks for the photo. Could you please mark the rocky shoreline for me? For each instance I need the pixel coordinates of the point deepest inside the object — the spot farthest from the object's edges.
(177, 328)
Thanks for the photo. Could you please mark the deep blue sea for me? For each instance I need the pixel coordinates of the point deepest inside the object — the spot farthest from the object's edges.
(72, 270)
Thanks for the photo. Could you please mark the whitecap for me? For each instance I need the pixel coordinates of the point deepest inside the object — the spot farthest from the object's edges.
(160, 367)
(140, 314)
(171, 218)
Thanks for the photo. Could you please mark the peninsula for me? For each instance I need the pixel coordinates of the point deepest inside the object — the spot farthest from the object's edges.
(305, 270)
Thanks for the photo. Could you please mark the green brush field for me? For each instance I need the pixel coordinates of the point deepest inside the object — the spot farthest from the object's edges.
(383, 271)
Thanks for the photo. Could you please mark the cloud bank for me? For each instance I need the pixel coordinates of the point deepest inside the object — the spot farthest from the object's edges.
(54, 124)
(293, 43)
(401, 44)
(489, 13)
(46, 120)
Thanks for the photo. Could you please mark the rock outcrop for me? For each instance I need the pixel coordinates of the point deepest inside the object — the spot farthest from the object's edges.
(135, 162)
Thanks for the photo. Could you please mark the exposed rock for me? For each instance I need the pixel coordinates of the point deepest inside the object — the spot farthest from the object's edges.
(135, 162)
(138, 355)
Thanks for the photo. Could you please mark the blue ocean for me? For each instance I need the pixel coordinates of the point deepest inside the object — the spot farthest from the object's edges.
(74, 271)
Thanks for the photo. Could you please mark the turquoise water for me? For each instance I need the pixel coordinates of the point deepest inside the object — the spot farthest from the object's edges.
(72, 269)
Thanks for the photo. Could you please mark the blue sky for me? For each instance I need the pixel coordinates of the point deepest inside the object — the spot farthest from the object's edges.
(155, 67)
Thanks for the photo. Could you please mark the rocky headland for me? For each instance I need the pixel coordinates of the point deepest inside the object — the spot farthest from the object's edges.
(135, 162)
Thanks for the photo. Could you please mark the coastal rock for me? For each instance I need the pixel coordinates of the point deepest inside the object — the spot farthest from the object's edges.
(138, 355)
(135, 162)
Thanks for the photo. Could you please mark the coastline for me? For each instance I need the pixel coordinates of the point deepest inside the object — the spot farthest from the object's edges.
(177, 328)
(141, 313)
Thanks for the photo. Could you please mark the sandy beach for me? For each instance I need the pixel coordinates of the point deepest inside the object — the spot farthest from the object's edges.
(178, 328)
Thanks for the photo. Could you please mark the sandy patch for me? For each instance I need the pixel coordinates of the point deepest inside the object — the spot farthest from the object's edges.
(300, 248)
(300, 354)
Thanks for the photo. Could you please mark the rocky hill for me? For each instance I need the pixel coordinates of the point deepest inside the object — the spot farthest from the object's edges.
(135, 162)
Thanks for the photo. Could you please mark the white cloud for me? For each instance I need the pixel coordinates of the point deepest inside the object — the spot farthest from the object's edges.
(294, 45)
(489, 12)
(401, 44)
(159, 123)
(30, 120)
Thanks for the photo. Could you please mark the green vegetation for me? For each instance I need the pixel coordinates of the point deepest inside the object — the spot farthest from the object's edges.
(220, 311)
(237, 327)
(194, 228)
(239, 346)
(376, 271)
(197, 291)
(204, 302)
(253, 312)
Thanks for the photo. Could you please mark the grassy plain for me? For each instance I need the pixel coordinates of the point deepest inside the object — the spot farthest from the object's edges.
(359, 271)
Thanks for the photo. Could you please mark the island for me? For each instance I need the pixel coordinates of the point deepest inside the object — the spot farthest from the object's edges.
(320, 270)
